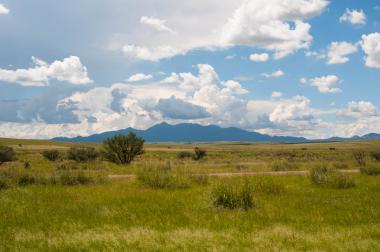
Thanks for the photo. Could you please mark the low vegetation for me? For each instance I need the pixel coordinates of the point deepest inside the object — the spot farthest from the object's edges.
(370, 169)
(7, 154)
(285, 166)
(51, 155)
(321, 175)
(198, 154)
(233, 195)
(82, 154)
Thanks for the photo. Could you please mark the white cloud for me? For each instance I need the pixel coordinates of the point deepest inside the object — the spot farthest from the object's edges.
(371, 46)
(139, 77)
(356, 17)
(338, 51)
(276, 94)
(3, 10)
(358, 109)
(263, 57)
(325, 84)
(266, 24)
(156, 23)
(69, 69)
(274, 74)
(318, 55)
(273, 25)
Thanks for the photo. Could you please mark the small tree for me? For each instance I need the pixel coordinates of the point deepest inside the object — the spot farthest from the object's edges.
(122, 149)
(6, 154)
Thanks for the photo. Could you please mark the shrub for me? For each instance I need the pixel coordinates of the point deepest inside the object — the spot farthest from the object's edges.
(27, 165)
(233, 195)
(360, 157)
(7, 154)
(82, 154)
(26, 179)
(322, 176)
(376, 155)
(284, 166)
(122, 149)
(75, 178)
(5, 183)
(184, 155)
(199, 153)
(370, 169)
(51, 155)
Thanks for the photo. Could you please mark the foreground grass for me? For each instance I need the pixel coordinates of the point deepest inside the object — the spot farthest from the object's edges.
(126, 216)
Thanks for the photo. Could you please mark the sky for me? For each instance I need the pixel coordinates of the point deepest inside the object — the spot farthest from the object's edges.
(307, 68)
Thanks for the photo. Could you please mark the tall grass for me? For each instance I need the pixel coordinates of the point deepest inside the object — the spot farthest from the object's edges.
(285, 166)
(321, 175)
(233, 195)
(370, 169)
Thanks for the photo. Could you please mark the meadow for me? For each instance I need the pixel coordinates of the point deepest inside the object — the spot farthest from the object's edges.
(168, 204)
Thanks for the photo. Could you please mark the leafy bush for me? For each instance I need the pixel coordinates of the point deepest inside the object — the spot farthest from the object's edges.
(51, 155)
(233, 195)
(185, 155)
(322, 176)
(199, 153)
(284, 166)
(370, 169)
(7, 154)
(122, 149)
(82, 154)
(376, 155)
(360, 157)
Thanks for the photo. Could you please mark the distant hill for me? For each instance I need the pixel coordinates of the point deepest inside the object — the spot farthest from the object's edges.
(187, 132)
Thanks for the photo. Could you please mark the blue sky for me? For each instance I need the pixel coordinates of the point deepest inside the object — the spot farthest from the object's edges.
(303, 67)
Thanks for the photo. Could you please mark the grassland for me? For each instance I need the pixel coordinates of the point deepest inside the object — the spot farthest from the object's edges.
(126, 215)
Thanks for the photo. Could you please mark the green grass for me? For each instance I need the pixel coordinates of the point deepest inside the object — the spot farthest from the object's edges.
(290, 212)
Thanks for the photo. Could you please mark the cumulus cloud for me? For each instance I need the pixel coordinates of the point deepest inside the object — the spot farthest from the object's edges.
(3, 10)
(263, 57)
(156, 23)
(274, 25)
(371, 46)
(178, 109)
(139, 77)
(267, 24)
(325, 84)
(69, 69)
(318, 55)
(274, 74)
(338, 51)
(358, 110)
(356, 17)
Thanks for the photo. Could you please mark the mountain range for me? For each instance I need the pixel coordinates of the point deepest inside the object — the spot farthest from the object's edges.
(187, 132)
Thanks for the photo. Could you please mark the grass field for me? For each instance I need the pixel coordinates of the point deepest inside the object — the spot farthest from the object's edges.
(290, 214)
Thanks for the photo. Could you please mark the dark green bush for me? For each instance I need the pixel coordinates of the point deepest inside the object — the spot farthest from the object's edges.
(376, 155)
(122, 149)
(82, 154)
(51, 155)
(370, 169)
(7, 154)
(199, 153)
(26, 179)
(233, 195)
